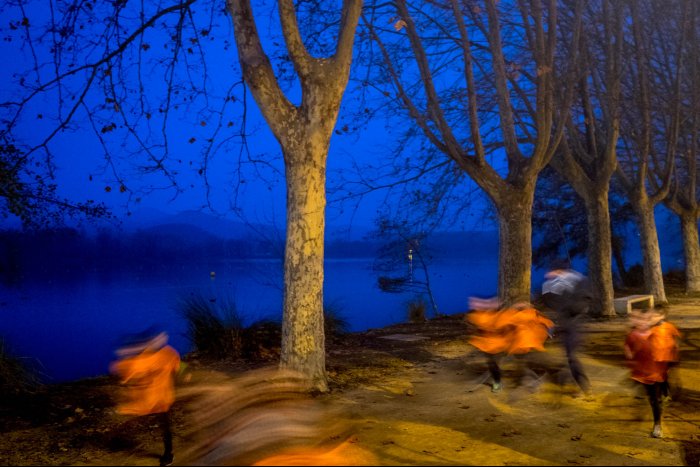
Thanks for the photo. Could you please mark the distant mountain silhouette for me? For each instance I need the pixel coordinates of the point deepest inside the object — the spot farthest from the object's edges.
(195, 229)
(217, 226)
(227, 228)
(357, 240)
(341, 241)
(179, 230)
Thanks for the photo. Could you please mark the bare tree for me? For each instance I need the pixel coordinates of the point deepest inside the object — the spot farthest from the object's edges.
(588, 155)
(683, 199)
(651, 120)
(490, 73)
(304, 132)
(129, 70)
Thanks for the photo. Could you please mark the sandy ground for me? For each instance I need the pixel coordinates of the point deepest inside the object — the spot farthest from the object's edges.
(434, 412)
(418, 397)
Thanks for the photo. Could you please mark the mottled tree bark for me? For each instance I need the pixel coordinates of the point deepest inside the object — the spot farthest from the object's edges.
(595, 197)
(651, 254)
(304, 134)
(515, 245)
(600, 252)
(691, 250)
(303, 340)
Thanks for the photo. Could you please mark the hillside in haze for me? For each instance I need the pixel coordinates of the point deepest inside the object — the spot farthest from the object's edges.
(148, 219)
(156, 239)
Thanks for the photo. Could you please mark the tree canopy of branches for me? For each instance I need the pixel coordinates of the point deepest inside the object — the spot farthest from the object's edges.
(30, 195)
(651, 118)
(684, 196)
(483, 86)
(116, 82)
(587, 157)
(133, 72)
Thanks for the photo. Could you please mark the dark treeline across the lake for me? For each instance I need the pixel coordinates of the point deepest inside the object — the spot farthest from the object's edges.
(63, 250)
(69, 250)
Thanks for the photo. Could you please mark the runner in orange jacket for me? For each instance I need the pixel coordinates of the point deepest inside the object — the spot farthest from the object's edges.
(515, 330)
(650, 347)
(530, 329)
(492, 335)
(147, 369)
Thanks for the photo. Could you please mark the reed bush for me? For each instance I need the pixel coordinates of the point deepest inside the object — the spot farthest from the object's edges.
(214, 326)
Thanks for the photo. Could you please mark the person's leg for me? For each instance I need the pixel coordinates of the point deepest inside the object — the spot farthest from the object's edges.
(577, 371)
(525, 375)
(495, 371)
(571, 344)
(167, 457)
(666, 388)
(654, 395)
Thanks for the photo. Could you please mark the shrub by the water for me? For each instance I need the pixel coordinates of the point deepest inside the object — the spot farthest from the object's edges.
(416, 311)
(214, 327)
(675, 277)
(15, 377)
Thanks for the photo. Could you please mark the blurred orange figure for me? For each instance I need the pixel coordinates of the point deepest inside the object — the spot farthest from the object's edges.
(266, 417)
(147, 368)
(530, 329)
(665, 337)
(492, 324)
(515, 330)
(343, 454)
(651, 347)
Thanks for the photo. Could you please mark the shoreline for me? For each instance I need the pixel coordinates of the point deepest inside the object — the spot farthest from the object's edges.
(408, 388)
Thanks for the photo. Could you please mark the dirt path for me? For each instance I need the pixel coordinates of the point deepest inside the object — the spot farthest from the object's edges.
(426, 416)
(434, 411)
(415, 399)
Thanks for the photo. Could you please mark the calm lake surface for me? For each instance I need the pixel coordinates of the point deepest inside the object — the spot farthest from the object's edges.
(69, 327)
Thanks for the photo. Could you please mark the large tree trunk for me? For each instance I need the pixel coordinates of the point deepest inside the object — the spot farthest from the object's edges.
(303, 339)
(691, 249)
(653, 276)
(600, 252)
(515, 245)
(304, 134)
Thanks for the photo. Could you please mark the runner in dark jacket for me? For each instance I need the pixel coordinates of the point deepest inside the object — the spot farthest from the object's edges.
(569, 294)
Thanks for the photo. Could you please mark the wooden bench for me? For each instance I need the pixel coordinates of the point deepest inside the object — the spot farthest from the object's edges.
(623, 305)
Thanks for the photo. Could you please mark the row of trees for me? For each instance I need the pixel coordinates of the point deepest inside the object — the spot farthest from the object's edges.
(604, 92)
(74, 254)
(495, 91)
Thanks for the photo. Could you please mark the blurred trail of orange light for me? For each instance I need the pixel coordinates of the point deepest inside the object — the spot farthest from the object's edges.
(265, 417)
(343, 454)
(512, 330)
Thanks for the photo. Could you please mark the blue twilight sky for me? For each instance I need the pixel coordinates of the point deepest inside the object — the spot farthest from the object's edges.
(84, 173)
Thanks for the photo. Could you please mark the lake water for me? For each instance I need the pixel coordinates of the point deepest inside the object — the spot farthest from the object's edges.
(69, 327)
